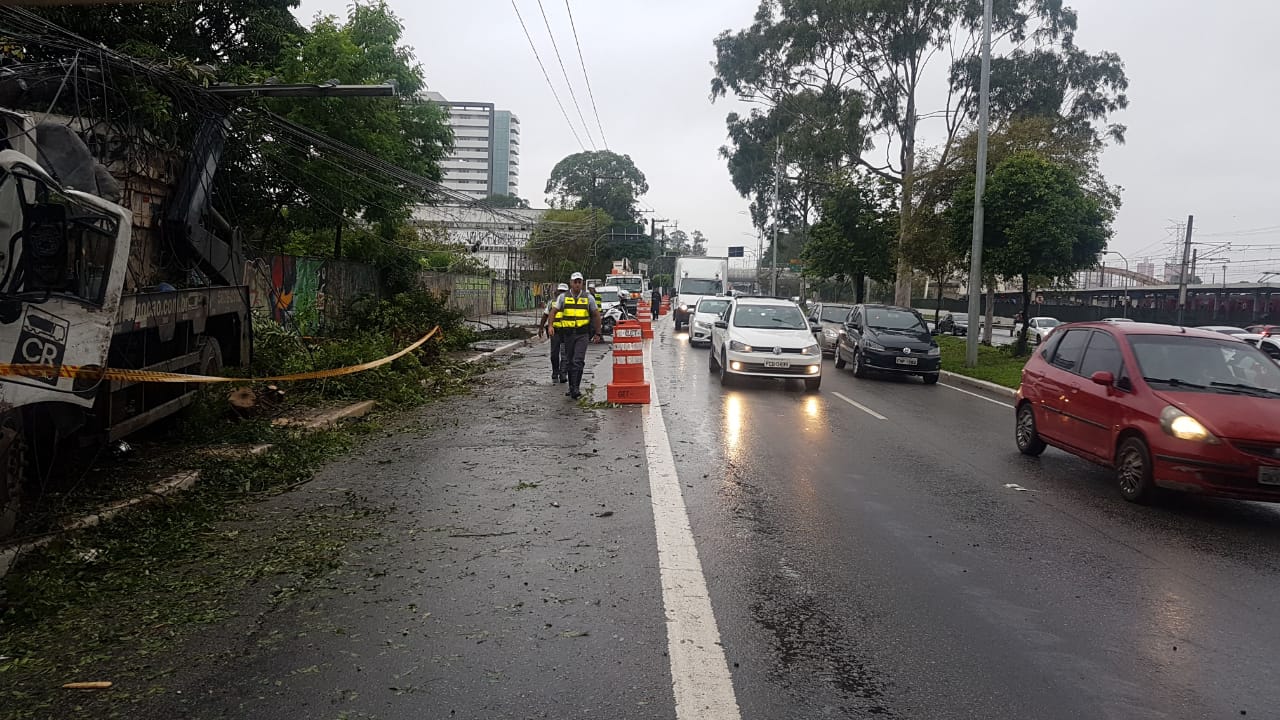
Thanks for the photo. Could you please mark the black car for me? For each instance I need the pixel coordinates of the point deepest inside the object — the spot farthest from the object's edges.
(885, 338)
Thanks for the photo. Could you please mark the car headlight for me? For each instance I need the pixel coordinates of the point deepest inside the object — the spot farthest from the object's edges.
(1184, 427)
(831, 334)
(736, 346)
(935, 352)
(813, 349)
(873, 345)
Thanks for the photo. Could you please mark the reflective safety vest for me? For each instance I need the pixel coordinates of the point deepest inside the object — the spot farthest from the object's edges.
(576, 313)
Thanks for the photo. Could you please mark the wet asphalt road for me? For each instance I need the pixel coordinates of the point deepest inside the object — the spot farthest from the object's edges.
(861, 566)
(857, 567)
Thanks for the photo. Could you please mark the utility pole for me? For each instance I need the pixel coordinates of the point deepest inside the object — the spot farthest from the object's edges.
(980, 187)
(777, 203)
(1186, 261)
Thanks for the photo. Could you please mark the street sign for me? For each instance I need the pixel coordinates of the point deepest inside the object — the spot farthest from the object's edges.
(737, 251)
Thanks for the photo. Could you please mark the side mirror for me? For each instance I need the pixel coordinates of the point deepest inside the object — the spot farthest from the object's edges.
(815, 326)
(722, 324)
(1104, 378)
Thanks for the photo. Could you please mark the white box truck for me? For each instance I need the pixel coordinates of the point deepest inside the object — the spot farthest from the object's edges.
(696, 278)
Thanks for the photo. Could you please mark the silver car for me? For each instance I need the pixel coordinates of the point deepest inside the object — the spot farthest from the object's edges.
(831, 317)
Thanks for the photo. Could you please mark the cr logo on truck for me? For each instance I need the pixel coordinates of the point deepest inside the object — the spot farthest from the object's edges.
(43, 341)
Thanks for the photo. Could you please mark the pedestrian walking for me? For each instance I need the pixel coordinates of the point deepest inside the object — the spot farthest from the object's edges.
(559, 366)
(576, 318)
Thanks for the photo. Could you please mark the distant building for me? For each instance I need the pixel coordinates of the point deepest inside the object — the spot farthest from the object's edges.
(1147, 268)
(486, 153)
(497, 238)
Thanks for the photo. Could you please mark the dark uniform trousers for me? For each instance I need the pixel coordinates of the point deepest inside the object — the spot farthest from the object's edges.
(559, 359)
(575, 355)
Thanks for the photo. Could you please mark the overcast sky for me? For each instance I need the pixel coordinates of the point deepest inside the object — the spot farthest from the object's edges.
(1203, 96)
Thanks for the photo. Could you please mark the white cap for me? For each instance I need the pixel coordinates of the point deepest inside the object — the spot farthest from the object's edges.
(563, 287)
(575, 276)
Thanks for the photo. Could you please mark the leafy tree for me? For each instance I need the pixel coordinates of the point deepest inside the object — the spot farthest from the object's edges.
(506, 201)
(228, 34)
(320, 187)
(678, 243)
(853, 240)
(880, 51)
(699, 247)
(1039, 222)
(600, 179)
(568, 241)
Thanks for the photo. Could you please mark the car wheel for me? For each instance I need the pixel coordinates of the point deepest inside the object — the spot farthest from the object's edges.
(840, 361)
(859, 369)
(930, 379)
(712, 365)
(1134, 472)
(1025, 433)
(725, 378)
(812, 384)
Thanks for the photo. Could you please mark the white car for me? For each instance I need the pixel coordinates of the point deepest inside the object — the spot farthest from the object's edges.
(705, 314)
(765, 337)
(1269, 344)
(1038, 329)
(610, 295)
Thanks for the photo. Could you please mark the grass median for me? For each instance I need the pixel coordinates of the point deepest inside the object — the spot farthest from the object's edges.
(995, 364)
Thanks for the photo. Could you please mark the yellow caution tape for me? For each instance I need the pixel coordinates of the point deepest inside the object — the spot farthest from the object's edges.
(97, 373)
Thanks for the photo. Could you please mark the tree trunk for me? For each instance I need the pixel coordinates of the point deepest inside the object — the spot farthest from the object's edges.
(991, 312)
(902, 285)
(937, 314)
(860, 289)
(1026, 315)
(337, 240)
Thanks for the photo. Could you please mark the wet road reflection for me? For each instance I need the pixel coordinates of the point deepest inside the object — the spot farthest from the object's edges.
(863, 563)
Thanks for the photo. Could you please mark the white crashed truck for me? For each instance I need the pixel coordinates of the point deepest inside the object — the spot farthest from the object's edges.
(696, 278)
(92, 259)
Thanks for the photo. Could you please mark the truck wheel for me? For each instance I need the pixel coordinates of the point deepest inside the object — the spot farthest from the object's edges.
(211, 357)
(13, 471)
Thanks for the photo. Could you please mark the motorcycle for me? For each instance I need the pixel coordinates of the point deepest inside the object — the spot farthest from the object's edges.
(613, 316)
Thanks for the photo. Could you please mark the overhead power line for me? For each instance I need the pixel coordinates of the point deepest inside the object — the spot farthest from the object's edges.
(572, 95)
(547, 77)
(590, 94)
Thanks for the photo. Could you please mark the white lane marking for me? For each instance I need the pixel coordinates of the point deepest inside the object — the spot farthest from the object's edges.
(980, 397)
(699, 672)
(1019, 488)
(861, 407)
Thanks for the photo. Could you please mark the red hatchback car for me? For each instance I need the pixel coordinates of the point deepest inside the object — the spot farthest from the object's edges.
(1166, 407)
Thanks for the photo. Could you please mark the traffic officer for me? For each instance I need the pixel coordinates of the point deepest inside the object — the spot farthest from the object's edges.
(595, 295)
(559, 366)
(576, 318)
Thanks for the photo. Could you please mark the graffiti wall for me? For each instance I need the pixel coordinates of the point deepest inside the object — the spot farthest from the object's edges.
(305, 293)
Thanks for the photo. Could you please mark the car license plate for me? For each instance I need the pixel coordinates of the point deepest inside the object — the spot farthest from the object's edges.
(907, 361)
(1269, 475)
(781, 364)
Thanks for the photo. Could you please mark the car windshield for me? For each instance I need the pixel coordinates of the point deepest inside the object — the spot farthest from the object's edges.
(894, 319)
(630, 284)
(771, 317)
(834, 313)
(1206, 365)
(1046, 322)
(715, 307)
(609, 296)
(694, 286)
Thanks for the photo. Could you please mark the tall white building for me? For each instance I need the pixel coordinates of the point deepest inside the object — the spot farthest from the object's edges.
(486, 152)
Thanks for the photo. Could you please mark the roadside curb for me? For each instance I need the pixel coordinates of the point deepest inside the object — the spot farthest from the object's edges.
(990, 387)
(501, 350)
